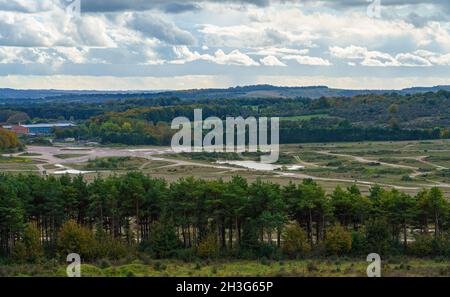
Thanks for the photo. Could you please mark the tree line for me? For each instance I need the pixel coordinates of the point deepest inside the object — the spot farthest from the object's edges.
(141, 128)
(123, 215)
(364, 117)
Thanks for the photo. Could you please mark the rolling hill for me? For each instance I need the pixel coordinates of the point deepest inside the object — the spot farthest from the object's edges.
(260, 91)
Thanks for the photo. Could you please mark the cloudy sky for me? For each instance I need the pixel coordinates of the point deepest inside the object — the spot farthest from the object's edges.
(181, 44)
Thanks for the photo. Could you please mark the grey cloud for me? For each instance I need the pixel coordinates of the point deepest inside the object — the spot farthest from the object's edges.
(180, 7)
(19, 34)
(170, 6)
(417, 20)
(26, 6)
(395, 9)
(352, 3)
(119, 5)
(274, 36)
(152, 26)
(441, 7)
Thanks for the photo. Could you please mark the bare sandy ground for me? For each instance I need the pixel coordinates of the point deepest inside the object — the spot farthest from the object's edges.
(47, 155)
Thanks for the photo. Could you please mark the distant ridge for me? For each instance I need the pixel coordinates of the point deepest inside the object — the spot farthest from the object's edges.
(288, 92)
(7, 93)
(264, 91)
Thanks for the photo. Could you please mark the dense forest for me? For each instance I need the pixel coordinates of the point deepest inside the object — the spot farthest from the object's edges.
(133, 121)
(49, 217)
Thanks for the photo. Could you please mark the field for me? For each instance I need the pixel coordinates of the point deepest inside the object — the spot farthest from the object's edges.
(408, 166)
(305, 117)
(332, 267)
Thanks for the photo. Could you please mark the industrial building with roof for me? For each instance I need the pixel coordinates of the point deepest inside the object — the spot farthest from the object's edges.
(37, 129)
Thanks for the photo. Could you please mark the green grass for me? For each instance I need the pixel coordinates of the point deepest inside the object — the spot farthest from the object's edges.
(69, 156)
(27, 154)
(11, 160)
(305, 117)
(20, 167)
(212, 157)
(112, 163)
(328, 267)
(50, 167)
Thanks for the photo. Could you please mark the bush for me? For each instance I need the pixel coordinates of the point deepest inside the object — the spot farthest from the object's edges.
(295, 241)
(262, 250)
(396, 247)
(425, 245)
(19, 253)
(268, 251)
(29, 249)
(338, 241)
(312, 267)
(73, 238)
(250, 239)
(163, 240)
(31, 240)
(111, 248)
(422, 246)
(377, 234)
(185, 254)
(441, 246)
(359, 243)
(158, 266)
(208, 247)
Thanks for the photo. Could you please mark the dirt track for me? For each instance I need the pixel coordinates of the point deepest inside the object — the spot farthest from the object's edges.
(47, 155)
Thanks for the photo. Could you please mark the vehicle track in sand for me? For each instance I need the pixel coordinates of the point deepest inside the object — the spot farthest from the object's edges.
(47, 154)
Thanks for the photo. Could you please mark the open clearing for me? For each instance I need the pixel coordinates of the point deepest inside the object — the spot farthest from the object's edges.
(408, 166)
(301, 268)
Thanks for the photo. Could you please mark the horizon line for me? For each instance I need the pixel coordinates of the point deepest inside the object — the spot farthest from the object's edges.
(218, 88)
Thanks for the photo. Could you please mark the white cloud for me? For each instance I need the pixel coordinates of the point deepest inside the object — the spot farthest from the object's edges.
(380, 59)
(272, 61)
(92, 31)
(439, 33)
(18, 30)
(408, 59)
(27, 6)
(52, 29)
(50, 56)
(235, 57)
(253, 35)
(142, 34)
(435, 58)
(307, 60)
(276, 51)
(349, 52)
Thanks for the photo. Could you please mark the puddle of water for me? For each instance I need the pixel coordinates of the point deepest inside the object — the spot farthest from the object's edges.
(259, 166)
(159, 152)
(151, 151)
(295, 167)
(71, 171)
(252, 165)
(157, 159)
(76, 149)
